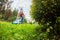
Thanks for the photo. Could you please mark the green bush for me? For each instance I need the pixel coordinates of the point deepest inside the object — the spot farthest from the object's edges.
(10, 31)
(47, 12)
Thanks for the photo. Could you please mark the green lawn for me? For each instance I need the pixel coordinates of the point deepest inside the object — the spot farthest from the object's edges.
(9, 31)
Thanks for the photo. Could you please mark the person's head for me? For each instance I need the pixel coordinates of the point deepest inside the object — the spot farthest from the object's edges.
(21, 10)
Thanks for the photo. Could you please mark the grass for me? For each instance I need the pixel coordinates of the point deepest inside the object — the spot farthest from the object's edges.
(10, 31)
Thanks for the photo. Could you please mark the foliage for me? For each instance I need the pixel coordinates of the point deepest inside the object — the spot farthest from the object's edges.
(5, 14)
(14, 14)
(24, 21)
(8, 14)
(10, 31)
(2, 11)
(47, 12)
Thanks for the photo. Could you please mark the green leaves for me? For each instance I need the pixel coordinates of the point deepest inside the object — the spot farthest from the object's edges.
(10, 31)
(47, 12)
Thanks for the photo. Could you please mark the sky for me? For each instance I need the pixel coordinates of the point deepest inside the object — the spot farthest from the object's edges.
(25, 4)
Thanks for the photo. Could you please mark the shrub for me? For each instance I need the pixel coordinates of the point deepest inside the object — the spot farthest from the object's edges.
(10, 31)
(47, 13)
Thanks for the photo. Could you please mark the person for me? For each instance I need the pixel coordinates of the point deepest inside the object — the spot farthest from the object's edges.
(20, 17)
(21, 14)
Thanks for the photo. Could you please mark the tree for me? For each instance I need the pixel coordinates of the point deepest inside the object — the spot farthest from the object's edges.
(14, 14)
(2, 9)
(8, 11)
(5, 10)
(8, 15)
(47, 13)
